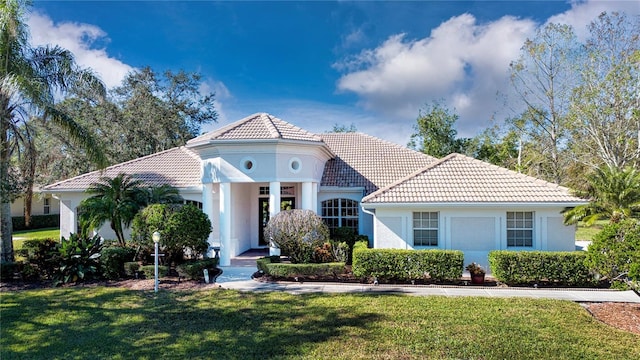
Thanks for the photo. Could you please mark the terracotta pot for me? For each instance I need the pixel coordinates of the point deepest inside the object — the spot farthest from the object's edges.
(477, 278)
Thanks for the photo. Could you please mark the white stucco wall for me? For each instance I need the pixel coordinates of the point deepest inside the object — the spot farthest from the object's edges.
(37, 206)
(474, 230)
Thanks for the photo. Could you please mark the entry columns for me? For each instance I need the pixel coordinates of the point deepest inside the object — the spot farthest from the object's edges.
(309, 196)
(207, 208)
(225, 224)
(274, 209)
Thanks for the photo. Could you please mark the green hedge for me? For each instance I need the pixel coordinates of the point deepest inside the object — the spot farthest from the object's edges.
(37, 222)
(271, 265)
(406, 265)
(529, 267)
(112, 261)
(149, 271)
(194, 270)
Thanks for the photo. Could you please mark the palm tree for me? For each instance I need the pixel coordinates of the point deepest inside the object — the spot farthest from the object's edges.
(30, 79)
(163, 194)
(614, 194)
(116, 200)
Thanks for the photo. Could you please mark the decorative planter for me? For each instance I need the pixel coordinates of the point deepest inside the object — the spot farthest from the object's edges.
(477, 278)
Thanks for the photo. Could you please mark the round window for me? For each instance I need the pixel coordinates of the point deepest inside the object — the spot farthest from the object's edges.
(295, 165)
(248, 164)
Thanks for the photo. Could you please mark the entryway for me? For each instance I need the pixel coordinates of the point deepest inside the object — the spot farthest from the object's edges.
(286, 203)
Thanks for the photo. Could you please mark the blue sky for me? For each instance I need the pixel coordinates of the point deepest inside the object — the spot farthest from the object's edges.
(315, 64)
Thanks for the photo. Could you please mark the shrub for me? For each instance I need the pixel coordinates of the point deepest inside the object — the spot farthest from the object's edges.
(182, 227)
(529, 267)
(272, 266)
(37, 222)
(297, 233)
(149, 271)
(323, 254)
(42, 257)
(131, 268)
(341, 252)
(78, 259)
(194, 269)
(113, 259)
(615, 249)
(405, 265)
(8, 270)
(350, 237)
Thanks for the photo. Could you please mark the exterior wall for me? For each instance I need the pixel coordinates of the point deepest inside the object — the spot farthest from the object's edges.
(37, 206)
(242, 213)
(475, 231)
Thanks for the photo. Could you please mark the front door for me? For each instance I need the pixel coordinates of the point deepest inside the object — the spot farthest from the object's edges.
(286, 203)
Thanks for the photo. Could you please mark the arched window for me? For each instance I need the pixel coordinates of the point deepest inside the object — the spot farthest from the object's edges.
(340, 213)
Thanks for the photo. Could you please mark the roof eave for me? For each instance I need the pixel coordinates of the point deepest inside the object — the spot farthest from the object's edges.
(538, 204)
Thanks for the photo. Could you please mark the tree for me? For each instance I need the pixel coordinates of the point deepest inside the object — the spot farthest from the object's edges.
(613, 194)
(116, 200)
(30, 78)
(435, 134)
(297, 233)
(343, 128)
(544, 77)
(615, 250)
(163, 194)
(495, 148)
(604, 108)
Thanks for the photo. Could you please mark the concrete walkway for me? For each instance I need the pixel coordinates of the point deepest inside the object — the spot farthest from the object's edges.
(236, 279)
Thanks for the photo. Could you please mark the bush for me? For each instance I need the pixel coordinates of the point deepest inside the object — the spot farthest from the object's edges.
(37, 222)
(131, 268)
(78, 259)
(272, 266)
(150, 272)
(406, 265)
(8, 270)
(529, 267)
(297, 233)
(41, 258)
(182, 227)
(350, 237)
(113, 259)
(194, 269)
(615, 249)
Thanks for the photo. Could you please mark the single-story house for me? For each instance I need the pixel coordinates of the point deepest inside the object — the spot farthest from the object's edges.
(40, 205)
(246, 172)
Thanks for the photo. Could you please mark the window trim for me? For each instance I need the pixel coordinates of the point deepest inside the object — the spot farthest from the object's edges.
(46, 206)
(520, 242)
(341, 219)
(430, 228)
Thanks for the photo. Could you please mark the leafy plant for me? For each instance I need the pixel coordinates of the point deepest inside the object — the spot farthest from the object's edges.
(194, 269)
(113, 259)
(42, 255)
(78, 259)
(475, 269)
(149, 271)
(297, 233)
(615, 250)
(131, 268)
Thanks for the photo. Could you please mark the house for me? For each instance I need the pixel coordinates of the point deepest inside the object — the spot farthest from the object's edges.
(40, 205)
(246, 172)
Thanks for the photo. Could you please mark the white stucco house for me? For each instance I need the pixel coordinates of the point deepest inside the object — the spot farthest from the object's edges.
(246, 172)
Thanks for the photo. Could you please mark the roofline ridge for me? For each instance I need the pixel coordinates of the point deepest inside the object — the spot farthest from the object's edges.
(268, 122)
(387, 142)
(101, 171)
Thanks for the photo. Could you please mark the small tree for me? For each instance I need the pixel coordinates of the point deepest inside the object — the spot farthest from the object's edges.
(616, 249)
(182, 227)
(297, 233)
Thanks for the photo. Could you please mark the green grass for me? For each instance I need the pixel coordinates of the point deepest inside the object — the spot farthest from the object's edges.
(20, 236)
(586, 233)
(110, 323)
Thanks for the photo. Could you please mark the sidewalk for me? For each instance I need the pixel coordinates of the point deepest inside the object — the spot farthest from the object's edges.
(576, 295)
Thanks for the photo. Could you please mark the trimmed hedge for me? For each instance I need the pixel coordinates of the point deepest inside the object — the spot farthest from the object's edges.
(271, 265)
(194, 269)
(131, 268)
(37, 222)
(529, 267)
(149, 271)
(406, 265)
(112, 261)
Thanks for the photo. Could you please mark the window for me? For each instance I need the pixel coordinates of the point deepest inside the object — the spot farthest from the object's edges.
(47, 206)
(425, 229)
(284, 190)
(197, 204)
(340, 213)
(520, 228)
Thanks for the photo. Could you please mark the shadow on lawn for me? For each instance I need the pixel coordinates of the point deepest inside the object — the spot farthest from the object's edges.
(110, 323)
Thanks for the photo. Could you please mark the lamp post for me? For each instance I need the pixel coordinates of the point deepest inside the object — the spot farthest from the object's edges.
(156, 242)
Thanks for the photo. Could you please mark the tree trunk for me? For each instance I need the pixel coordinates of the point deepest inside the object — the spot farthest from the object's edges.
(6, 227)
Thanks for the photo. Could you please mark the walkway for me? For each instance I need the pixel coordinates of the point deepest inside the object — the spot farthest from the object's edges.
(238, 277)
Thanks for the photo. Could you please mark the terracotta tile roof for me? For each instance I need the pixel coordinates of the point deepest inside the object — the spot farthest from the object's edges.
(461, 179)
(179, 167)
(369, 162)
(260, 126)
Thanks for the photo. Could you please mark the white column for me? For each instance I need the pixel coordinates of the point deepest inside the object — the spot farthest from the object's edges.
(307, 197)
(225, 224)
(207, 208)
(274, 209)
(68, 218)
(314, 197)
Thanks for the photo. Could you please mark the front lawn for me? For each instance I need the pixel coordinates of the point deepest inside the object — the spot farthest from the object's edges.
(100, 323)
(586, 233)
(20, 236)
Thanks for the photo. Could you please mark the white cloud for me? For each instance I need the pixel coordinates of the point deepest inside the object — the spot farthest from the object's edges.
(462, 62)
(582, 14)
(223, 95)
(81, 40)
